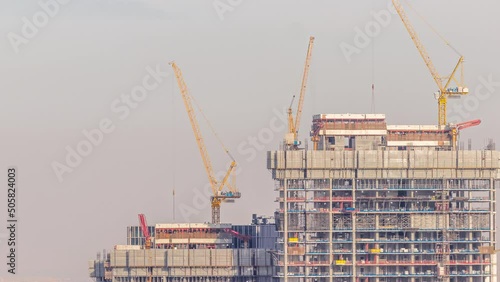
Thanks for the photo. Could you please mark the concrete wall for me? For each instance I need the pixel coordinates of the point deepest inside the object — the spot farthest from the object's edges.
(186, 263)
(385, 164)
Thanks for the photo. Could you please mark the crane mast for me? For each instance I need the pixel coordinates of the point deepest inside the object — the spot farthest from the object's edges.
(293, 124)
(445, 90)
(218, 195)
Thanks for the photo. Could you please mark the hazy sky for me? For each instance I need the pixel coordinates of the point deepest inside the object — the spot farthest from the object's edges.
(242, 61)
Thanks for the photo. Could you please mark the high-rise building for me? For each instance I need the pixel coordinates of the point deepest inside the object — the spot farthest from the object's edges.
(378, 202)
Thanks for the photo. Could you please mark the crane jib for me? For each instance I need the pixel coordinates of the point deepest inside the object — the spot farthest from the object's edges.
(217, 188)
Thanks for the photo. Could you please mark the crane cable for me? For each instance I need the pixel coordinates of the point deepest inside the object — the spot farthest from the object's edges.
(230, 186)
(433, 29)
(174, 141)
(211, 127)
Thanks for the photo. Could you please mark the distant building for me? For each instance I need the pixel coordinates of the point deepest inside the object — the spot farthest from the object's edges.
(192, 252)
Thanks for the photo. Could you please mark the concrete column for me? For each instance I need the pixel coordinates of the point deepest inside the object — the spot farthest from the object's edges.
(492, 209)
(412, 246)
(377, 256)
(330, 230)
(354, 275)
(285, 228)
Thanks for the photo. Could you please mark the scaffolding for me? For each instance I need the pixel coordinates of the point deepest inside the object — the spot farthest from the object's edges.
(191, 252)
(385, 214)
(184, 265)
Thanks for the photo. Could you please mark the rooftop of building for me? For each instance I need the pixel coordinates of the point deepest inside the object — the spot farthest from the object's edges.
(193, 225)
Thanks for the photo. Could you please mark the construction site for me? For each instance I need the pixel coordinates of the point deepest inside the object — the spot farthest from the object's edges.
(370, 206)
(366, 202)
(190, 252)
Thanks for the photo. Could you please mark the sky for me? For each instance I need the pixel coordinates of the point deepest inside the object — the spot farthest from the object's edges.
(70, 68)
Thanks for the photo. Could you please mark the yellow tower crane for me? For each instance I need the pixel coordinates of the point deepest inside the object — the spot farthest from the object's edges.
(445, 88)
(219, 194)
(291, 137)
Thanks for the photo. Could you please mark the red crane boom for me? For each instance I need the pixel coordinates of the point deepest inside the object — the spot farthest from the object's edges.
(455, 131)
(147, 243)
(144, 227)
(467, 124)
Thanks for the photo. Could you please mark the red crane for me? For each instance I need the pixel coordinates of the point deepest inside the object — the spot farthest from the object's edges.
(145, 231)
(470, 123)
(238, 235)
(317, 126)
(147, 243)
(463, 125)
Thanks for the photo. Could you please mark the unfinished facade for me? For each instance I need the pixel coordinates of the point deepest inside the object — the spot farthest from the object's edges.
(374, 202)
(190, 252)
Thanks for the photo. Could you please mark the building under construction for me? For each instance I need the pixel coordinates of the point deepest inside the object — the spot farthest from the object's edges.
(378, 202)
(370, 202)
(194, 251)
(191, 252)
